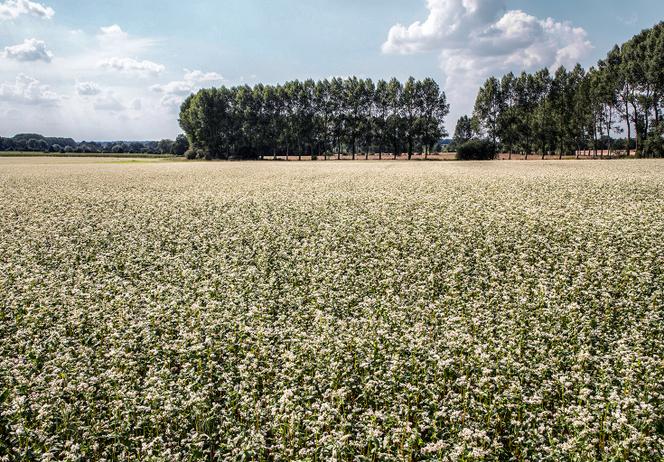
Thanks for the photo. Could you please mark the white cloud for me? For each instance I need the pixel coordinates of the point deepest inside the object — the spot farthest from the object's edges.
(449, 24)
(30, 50)
(112, 101)
(87, 89)
(12, 9)
(480, 38)
(200, 76)
(114, 39)
(172, 102)
(111, 36)
(108, 101)
(132, 66)
(28, 90)
(175, 91)
(176, 87)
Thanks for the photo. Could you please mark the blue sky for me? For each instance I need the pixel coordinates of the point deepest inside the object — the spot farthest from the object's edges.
(118, 69)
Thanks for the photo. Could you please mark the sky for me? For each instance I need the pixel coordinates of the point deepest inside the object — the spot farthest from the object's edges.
(118, 69)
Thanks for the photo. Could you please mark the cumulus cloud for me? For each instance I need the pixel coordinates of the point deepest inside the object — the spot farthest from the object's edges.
(479, 38)
(12, 9)
(87, 89)
(449, 23)
(28, 90)
(175, 91)
(132, 66)
(30, 50)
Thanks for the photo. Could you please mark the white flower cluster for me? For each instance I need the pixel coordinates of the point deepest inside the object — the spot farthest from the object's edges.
(331, 311)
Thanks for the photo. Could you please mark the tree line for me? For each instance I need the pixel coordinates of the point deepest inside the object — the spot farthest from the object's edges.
(317, 119)
(576, 110)
(33, 142)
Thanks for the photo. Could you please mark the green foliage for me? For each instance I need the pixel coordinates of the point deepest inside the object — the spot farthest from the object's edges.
(463, 131)
(654, 145)
(165, 146)
(574, 110)
(476, 150)
(316, 118)
(181, 145)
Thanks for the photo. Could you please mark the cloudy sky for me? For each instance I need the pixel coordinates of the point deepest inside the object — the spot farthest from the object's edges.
(118, 69)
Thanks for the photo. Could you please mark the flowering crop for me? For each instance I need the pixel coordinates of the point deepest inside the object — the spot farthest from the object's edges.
(331, 311)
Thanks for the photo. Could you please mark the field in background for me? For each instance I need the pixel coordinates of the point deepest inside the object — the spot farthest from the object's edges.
(341, 311)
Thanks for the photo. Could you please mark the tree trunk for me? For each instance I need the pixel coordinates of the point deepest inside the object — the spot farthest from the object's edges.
(636, 128)
(629, 130)
(594, 145)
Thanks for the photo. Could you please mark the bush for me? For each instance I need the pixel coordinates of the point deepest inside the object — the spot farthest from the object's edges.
(654, 145)
(181, 145)
(476, 150)
(197, 153)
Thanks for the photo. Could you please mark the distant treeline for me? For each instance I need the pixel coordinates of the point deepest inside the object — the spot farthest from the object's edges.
(33, 142)
(577, 110)
(315, 119)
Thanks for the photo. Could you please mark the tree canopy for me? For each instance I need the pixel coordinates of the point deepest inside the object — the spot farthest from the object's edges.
(315, 118)
(573, 110)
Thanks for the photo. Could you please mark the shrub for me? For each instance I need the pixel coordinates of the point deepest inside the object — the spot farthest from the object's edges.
(181, 145)
(654, 145)
(197, 153)
(476, 150)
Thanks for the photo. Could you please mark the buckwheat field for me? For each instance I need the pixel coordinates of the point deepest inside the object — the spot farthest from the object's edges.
(326, 311)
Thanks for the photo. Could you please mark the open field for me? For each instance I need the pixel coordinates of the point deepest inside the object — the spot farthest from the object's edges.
(331, 311)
